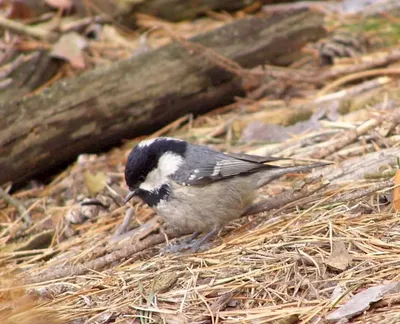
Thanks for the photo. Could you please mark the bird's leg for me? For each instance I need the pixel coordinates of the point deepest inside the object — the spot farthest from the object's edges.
(191, 243)
(191, 237)
(197, 244)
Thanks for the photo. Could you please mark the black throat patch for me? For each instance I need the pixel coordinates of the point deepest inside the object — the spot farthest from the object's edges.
(152, 198)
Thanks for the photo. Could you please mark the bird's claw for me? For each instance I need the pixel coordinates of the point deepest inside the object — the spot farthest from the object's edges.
(188, 245)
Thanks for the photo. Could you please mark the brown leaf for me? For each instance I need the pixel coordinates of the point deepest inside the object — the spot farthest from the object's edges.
(60, 4)
(396, 191)
(40, 240)
(361, 301)
(165, 282)
(221, 302)
(340, 257)
(174, 318)
(290, 319)
(94, 182)
(17, 10)
(70, 48)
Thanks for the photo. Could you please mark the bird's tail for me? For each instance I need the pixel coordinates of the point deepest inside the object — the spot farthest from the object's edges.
(263, 178)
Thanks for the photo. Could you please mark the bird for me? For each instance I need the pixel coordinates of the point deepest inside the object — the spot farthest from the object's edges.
(195, 188)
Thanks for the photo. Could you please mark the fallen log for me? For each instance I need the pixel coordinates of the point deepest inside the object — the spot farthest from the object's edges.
(124, 11)
(95, 110)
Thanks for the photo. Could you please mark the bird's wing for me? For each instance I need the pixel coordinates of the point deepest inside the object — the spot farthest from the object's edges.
(255, 158)
(205, 166)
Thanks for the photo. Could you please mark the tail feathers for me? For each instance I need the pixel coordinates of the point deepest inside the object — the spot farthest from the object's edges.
(271, 174)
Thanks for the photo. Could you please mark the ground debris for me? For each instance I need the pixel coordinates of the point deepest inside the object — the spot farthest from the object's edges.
(73, 252)
(362, 301)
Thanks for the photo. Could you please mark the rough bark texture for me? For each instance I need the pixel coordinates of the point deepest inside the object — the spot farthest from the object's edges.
(360, 168)
(173, 10)
(97, 109)
(29, 76)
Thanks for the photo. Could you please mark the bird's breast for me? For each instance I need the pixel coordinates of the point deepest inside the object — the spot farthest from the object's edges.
(203, 208)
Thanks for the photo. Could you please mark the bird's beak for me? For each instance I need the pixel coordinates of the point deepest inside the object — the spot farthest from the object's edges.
(130, 195)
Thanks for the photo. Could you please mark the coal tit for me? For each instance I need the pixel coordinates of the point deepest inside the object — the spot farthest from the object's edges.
(193, 187)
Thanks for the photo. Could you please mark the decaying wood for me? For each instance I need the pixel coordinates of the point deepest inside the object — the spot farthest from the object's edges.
(136, 96)
(362, 168)
(33, 71)
(172, 10)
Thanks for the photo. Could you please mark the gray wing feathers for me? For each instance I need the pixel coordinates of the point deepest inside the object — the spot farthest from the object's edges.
(255, 158)
(203, 165)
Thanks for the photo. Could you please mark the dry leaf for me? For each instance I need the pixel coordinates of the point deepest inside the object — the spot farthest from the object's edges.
(17, 10)
(340, 257)
(60, 4)
(337, 292)
(165, 282)
(290, 319)
(221, 302)
(40, 240)
(361, 301)
(94, 182)
(174, 318)
(70, 48)
(396, 191)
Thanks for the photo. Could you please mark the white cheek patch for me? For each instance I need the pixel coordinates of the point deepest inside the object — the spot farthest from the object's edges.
(168, 164)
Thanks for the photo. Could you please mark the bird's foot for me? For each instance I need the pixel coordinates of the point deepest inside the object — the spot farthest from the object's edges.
(191, 244)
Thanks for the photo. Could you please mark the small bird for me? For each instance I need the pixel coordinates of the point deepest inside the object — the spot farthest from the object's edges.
(195, 188)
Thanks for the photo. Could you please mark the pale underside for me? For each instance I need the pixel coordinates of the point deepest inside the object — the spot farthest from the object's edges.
(202, 209)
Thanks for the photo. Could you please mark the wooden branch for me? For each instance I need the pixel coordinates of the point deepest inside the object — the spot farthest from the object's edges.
(360, 168)
(127, 251)
(97, 109)
(21, 28)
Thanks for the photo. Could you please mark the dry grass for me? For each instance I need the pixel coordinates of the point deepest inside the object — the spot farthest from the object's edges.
(280, 266)
(272, 267)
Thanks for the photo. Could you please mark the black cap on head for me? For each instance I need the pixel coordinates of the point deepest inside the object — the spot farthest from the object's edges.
(144, 158)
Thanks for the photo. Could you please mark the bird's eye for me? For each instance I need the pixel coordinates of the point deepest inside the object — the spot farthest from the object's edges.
(142, 178)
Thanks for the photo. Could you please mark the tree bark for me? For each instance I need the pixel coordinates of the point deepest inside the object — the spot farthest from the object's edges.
(30, 75)
(173, 10)
(97, 109)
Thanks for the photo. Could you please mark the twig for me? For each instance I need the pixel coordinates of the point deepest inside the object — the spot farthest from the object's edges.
(18, 206)
(5, 83)
(355, 76)
(309, 5)
(383, 60)
(83, 22)
(360, 193)
(27, 30)
(125, 223)
(213, 56)
(8, 68)
(316, 77)
(352, 135)
(125, 252)
(286, 74)
(170, 127)
(354, 90)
